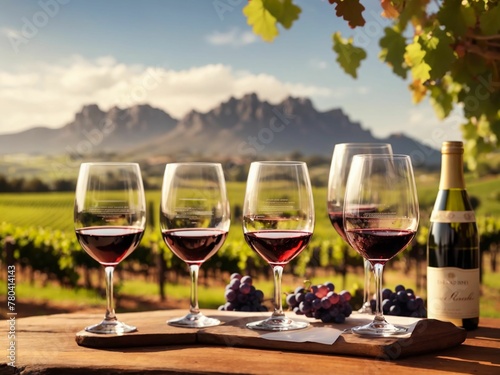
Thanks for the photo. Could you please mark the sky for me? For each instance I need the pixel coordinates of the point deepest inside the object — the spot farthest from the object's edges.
(58, 55)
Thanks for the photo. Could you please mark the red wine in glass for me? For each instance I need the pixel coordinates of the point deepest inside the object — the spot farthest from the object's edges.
(278, 247)
(380, 245)
(337, 218)
(194, 246)
(110, 218)
(194, 222)
(109, 245)
(278, 222)
(387, 183)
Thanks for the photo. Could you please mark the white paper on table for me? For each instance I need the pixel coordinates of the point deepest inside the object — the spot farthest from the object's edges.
(328, 335)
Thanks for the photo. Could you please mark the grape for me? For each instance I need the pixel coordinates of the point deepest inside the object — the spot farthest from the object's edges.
(234, 284)
(401, 302)
(330, 286)
(230, 295)
(245, 288)
(399, 288)
(291, 300)
(241, 295)
(320, 302)
(246, 280)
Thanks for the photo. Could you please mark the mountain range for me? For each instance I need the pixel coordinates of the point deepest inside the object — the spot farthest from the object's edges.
(241, 128)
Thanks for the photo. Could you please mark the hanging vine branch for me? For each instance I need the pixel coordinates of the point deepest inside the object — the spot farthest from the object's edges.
(452, 55)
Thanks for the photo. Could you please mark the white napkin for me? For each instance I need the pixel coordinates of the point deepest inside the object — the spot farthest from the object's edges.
(328, 334)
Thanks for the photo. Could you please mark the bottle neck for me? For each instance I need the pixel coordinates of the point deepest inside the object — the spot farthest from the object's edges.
(452, 172)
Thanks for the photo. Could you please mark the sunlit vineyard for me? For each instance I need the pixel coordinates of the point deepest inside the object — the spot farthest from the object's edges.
(40, 229)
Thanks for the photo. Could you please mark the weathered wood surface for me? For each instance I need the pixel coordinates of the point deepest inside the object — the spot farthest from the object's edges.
(428, 336)
(47, 345)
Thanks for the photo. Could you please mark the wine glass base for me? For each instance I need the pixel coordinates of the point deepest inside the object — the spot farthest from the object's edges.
(379, 329)
(194, 321)
(277, 323)
(111, 327)
(365, 309)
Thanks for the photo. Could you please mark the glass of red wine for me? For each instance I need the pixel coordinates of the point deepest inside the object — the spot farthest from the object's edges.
(386, 184)
(194, 221)
(110, 217)
(339, 170)
(278, 222)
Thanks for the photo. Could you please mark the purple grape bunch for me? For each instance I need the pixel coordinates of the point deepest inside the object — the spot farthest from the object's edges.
(321, 302)
(241, 295)
(401, 302)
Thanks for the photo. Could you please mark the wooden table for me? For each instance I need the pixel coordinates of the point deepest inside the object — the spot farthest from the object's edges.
(46, 345)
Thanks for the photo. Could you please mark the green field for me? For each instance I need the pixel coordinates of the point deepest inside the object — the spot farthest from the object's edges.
(54, 211)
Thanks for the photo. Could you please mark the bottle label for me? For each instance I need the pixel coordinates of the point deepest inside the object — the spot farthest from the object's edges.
(453, 217)
(452, 293)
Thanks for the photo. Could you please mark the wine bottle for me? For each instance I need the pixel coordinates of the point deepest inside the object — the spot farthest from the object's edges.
(453, 247)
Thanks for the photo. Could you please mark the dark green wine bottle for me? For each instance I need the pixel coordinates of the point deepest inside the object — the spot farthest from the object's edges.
(453, 288)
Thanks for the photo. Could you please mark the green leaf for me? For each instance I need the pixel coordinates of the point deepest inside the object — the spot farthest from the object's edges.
(439, 53)
(441, 100)
(260, 18)
(455, 17)
(489, 21)
(351, 11)
(410, 9)
(478, 100)
(349, 57)
(284, 11)
(414, 57)
(393, 46)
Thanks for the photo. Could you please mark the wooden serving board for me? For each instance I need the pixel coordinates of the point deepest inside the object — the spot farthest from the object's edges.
(428, 336)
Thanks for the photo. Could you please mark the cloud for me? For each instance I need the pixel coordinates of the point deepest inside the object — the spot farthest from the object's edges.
(233, 37)
(318, 64)
(51, 94)
(424, 125)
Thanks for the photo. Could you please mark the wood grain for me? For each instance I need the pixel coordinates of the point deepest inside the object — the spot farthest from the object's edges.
(428, 336)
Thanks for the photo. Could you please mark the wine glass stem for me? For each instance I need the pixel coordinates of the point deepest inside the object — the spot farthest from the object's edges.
(368, 273)
(110, 310)
(278, 304)
(378, 270)
(193, 272)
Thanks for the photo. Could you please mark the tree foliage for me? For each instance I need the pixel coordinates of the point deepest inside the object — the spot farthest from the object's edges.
(448, 49)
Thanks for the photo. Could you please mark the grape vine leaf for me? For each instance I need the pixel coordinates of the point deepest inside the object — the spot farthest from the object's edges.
(284, 11)
(455, 17)
(438, 52)
(419, 90)
(263, 16)
(441, 100)
(490, 21)
(388, 9)
(414, 57)
(349, 56)
(392, 51)
(410, 10)
(351, 11)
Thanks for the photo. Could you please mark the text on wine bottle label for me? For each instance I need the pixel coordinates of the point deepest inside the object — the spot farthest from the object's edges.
(453, 217)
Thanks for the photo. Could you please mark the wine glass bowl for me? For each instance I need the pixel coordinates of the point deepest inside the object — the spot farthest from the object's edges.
(110, 218)
(194, 221)
(386, 184)
(339, 171)
(278, 222)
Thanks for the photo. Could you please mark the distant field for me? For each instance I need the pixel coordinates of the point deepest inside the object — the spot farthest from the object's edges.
(55, 210)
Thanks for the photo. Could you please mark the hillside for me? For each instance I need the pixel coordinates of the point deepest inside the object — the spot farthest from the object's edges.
(236, 128)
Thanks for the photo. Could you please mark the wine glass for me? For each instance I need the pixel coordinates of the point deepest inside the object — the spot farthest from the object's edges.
(194, 220)
(110, 218)
(278, 222)
(339, 170)
(387, 185)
